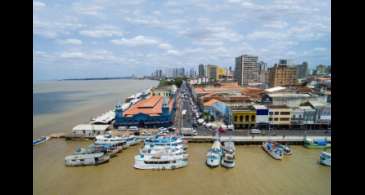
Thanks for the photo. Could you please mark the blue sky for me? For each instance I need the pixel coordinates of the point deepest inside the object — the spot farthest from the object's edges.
(74, 39)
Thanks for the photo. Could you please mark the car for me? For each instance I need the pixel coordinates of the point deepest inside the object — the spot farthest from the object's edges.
(122, 128)
(255, 131)
(133, 128)
(162, 128)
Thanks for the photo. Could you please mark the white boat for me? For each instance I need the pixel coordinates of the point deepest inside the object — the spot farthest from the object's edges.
(214, 154)
(325, 158)
(286, 149)
(130, 140)
(86, 159)
(229, 152)
(166, 150)
(152, 146)
(160, 162)
(273, 150)
(108, 139)
(40, 140)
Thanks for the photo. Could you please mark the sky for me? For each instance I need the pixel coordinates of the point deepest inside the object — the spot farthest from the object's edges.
(107, 38)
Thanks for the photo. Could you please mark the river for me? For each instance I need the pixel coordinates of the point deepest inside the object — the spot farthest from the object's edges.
(64, 104)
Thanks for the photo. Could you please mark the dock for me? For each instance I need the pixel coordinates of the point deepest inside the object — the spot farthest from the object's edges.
(254, 139)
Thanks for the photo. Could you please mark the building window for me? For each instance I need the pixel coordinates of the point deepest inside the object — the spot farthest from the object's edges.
(241, 118)
(253, 118)
(285, 113)
(275, 119)
(276, 113)
(247, 118)
(270, 113)
(235, 118)
(284, 119)
(270, 119)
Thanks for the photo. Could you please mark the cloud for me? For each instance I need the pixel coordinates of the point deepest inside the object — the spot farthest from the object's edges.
(135, 41)
(72, 42)
(165, 46)
(38, 5)
(276, 24)
(101, 32)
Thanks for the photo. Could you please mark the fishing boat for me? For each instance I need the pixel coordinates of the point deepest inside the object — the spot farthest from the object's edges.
(214, 154)
(40, 140)
(325, 158)
(86, 159)
(228, 159)
(273, 150)
(160, 161)
(109, 149)
(286, 149)
(316, 143)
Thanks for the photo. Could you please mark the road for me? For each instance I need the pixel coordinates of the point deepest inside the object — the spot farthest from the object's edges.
(186, 121)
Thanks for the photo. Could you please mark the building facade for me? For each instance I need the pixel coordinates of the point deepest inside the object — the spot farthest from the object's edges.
(165, 91)
(153, 112)
(244, 117)
(280, 116)
(246, 69)
(282, 75)
(201, 70)
(262, 116)
(302, 70)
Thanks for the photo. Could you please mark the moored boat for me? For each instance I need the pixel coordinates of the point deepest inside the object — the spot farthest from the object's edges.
(273, 150)
(228, 158)
(286, 149)
(316, 143)
(160, 162)
(214, 154)
(40, 140)
(325, 158)
(86, 159)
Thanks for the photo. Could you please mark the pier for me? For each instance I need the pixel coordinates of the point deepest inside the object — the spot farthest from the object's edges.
(254, 139)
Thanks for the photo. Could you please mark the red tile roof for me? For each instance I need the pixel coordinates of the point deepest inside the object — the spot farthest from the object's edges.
(151, 106)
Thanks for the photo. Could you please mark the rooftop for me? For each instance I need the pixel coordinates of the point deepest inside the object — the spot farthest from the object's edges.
(297, 95)
(211, 102)
(275, 89)
(277, 106)
(151, 106)
(259, 106)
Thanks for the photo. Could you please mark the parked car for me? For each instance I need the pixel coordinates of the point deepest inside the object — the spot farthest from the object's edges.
(255, 131)
(133, 128)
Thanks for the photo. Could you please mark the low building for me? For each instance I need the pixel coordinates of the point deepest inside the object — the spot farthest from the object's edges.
(303, 116)
(262, 116)
(89, 130)
(280, 116)
(165, 91)
(322, 113)
(155, 111)
(244, 117)
(218, 109)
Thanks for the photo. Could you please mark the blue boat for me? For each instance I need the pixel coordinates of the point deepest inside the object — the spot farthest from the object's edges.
(40, 140)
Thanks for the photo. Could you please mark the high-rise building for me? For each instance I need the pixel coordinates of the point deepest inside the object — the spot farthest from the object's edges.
(192, 73)
(261, 71)
(302, 70)
(201, 70)
(246, 69)
(322, 70)
(282, 75)
(212, 72)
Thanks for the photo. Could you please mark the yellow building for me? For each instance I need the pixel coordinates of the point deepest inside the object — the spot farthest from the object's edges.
(221, 72)
(280, 115)
(244, 117)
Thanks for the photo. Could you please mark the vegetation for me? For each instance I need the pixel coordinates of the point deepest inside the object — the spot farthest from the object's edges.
(177, 82)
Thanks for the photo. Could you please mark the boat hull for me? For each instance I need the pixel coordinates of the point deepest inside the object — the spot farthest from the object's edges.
(169, 166)
(86, 162)
(39, 141)
(212, 163)
(228, 165)
(315, 146)
(272, 154)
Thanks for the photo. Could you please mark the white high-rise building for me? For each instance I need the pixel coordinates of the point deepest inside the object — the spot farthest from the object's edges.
(246, 69)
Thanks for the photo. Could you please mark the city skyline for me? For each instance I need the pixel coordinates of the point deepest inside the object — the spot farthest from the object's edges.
(106, 38)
